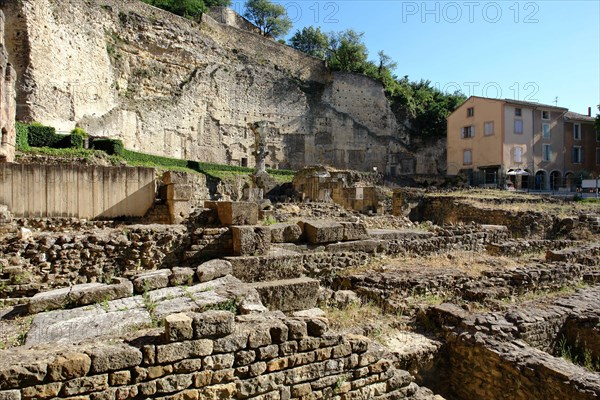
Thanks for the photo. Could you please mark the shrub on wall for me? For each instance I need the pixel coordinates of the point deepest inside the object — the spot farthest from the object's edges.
(109, 146)
(42, 136)
(77, 138)
(22, 134)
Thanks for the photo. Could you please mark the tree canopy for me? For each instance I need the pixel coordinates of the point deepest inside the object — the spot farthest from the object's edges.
(191, 9)
(311, 41)
(270, 18)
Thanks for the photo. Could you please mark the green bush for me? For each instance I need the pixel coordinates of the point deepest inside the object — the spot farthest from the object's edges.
(77, 138)
(22, 136)
(109, 146)
(42, 136)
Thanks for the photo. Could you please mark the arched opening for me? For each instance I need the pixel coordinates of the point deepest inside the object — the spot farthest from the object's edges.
(4, 136)
(555, 180)
(540, 180)
(570, 181)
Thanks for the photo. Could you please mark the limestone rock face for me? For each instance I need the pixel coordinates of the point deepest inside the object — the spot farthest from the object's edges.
(169, 86)
(8, 105)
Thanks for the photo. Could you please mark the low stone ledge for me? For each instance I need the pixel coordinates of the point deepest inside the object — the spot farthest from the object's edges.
(235, 212)
(213, 269)
(80, 295)
(285, 233)
(318, 232)
(288, 295)
(151, 280)
(364, 246)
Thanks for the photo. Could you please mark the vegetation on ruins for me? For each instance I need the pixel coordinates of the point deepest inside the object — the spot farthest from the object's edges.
(419, 106)
(270, 18)
(191, 9)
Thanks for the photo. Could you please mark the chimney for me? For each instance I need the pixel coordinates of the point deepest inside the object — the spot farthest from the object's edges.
(589, 111)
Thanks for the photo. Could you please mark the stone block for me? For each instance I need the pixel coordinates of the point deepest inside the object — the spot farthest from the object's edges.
(179, 192)
(251, 240)
(181, 276)
(113, 358)
(151, 280)
(365, 246)
(169, 353)
(10, 395)
(175, 177)
(288, 295)
(213, 269)
(179, 210)
(235, 213)
(80, 295)
(69, 366)
(354, 231)
(178, 327)
(213, 324)
(285, 233)
(317, 232)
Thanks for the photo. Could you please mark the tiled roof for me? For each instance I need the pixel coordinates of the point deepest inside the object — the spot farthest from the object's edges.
(579, 117)
(532, 104)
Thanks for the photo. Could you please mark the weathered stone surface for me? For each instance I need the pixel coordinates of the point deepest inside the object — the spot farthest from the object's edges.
(285, 233)
(182, 350)
(85, 385)
(288, 295)
(235, 212)
(365, 246)
(10, 395)
(354, 231)
(251, 240)
(113, 358)
(213, 324)
(80, 295)
(8, 101)
(178, 327)
(317, 232)
(182, 276)
(213, 269)
(152, 280)
(69, 366)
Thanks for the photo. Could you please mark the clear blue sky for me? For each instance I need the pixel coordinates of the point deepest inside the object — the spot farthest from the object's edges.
(525, 50)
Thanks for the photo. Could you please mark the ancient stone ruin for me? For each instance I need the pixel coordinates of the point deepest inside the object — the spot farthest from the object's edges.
(325, 303)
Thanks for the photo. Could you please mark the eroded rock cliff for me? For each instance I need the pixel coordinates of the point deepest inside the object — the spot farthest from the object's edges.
(7, 101)
(169, 86)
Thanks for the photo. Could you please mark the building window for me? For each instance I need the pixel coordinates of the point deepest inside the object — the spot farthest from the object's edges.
(576, 131)
(470, 112)
(518, 126)
(518, 155)
(597, 155)
(518, 112)
(488, 128)
(467, 157)
(577, 155)
(546, 131)
(547, 152)
(545, 114)
(468, 132)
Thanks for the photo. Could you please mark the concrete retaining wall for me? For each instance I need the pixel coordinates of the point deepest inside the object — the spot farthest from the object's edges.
(35, 190)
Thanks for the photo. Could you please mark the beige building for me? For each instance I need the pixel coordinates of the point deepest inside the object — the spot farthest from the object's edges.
(492, 141)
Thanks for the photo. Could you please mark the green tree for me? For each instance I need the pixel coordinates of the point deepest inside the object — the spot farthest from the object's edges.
(598, 124)
(191, 9)
(270, 18)
(311, 41)
(347, 51)
(385, 63)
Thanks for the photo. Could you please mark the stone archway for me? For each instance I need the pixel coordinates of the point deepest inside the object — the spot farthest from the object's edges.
(570, 181)
(540, 180)
(555, 180)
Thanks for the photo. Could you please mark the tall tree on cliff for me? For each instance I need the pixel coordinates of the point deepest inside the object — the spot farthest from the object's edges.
(347, 51)
(311, 41)
(271, 19)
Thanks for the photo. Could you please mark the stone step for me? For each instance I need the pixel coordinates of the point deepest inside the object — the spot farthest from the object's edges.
(288, 294)
(275, 265)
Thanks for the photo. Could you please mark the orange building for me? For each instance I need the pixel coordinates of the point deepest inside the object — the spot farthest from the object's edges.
(492, 141)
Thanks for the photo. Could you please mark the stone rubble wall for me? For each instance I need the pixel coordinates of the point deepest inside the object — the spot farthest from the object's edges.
(211, 356)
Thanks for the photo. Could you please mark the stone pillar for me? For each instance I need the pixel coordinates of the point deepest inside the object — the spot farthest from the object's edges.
(8, 103)
(179, 194)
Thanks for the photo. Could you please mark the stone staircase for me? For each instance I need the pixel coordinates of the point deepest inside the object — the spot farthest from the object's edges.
(158, 214)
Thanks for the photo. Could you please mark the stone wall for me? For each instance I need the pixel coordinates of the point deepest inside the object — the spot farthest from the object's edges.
(211, 356)
(62, 190)
(168, 86)
(8, 80)
(40, 261)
